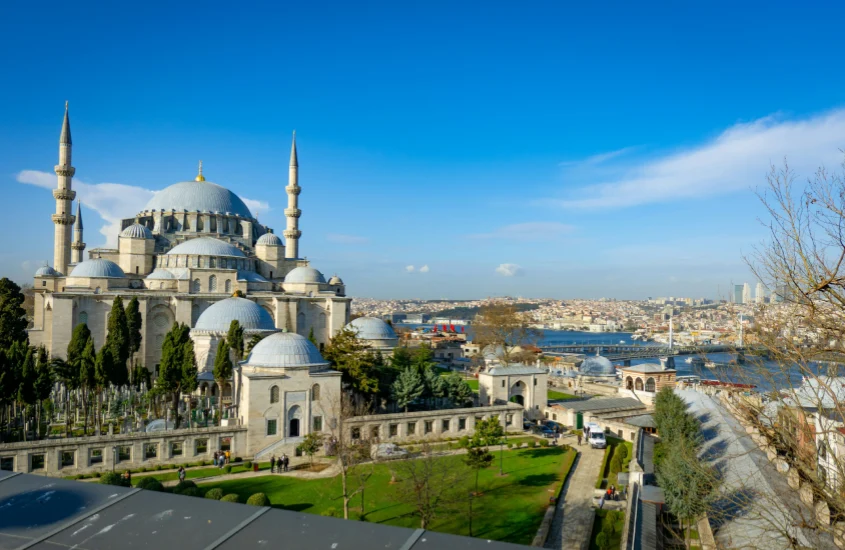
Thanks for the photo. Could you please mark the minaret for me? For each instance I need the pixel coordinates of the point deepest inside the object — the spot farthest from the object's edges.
(64, 195)
(292, 233)
(77, 246)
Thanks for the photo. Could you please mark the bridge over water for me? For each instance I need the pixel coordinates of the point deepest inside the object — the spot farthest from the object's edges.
(626, 352)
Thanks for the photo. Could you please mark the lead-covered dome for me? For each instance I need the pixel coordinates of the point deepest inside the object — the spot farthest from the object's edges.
(269, 239)
(98, 268)
(198, 195)
(304, 275)
(220, 315)
(371, 328)
(47, 271)
(137, 231)
(207, 246)
(597, 366)
(285, 349)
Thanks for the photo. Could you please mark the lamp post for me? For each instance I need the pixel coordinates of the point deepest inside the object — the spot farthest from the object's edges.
(114, 458)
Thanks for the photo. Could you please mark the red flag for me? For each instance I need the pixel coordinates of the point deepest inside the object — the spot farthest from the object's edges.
(452, 327)
(434, 328)
(462, 328)
(445, 328)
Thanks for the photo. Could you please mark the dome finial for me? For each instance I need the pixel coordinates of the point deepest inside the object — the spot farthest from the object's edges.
(200, 177)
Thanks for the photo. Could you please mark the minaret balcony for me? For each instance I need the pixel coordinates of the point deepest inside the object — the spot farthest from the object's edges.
(64, 170)
(292, 233)
(293, 189)
(63, 219)
(293, 212)
(64, 194)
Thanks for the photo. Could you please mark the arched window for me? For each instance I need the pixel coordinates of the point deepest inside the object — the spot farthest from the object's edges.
(161, 285)
(199, 223)
(649, 385)
(199, 262)
(212, 284)
(638, 385)
(195, 286)
(97, 290)
(83, 317)
(228, 286)
(212, 224)
(187, 225)
(212, 262)
(315, 392)
(274, 394)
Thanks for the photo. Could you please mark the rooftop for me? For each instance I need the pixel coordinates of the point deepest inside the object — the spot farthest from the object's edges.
(600, 404)
(511, 370)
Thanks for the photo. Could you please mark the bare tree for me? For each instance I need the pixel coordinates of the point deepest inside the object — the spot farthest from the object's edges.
(503, 327)
(430, 484)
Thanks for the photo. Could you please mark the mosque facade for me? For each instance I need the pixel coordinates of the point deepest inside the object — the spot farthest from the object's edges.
(191, 247)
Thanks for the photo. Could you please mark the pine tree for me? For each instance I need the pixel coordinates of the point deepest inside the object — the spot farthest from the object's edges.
(103, 366)
(118, 342)
(402, 358)
(12, 314)
(178, 368)
(134, 324)
(26, 385)
(222, 369)
(408, 387)
(350, 356)
(423, 359)
(235, 339)
(457, 390)
(43, 384)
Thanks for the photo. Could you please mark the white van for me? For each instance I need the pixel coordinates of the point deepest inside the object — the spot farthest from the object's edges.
(597, 440)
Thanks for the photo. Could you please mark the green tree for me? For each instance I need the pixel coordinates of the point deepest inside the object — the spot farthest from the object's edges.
(86, 372)
(435, 386)
(457, 390)
(43, 384)
(616, 461)
(235, 339)
(478, 458)
(689, 485)
(117, 340)
(12, 314)
(133, 324)
(26, 386)
(103, 366)
(423, 359)
(83, 373)
(311, 337)
(222, 369)
(178, 368)
(402, 359)
(487, 433)
(407, 387)
(253, 341)
(68, 376)
(350, 356)
(311, 444)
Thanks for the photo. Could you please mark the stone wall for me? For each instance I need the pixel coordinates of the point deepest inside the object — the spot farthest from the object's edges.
(80, 455)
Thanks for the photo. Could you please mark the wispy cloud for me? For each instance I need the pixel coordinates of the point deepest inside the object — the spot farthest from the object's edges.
(424, 269)
(529, 231)
(410, 268)
(737, 159)
(599, 158)
(346, 239)
(510, 270)
(112, 201)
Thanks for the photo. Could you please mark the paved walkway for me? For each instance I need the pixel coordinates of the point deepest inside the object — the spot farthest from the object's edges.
(573, 521)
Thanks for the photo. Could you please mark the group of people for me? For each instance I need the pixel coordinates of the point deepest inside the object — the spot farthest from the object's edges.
(611, 493)
(221, 458)
(280, 463)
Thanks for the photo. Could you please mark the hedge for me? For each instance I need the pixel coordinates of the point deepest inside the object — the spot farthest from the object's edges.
(184, 486)
(603, 466)
(258, 499)
(214, 494)
(231, 497)
(191, 492)
(113, 478)
(150, 484)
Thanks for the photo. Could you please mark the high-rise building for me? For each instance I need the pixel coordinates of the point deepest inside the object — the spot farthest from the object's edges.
(737, 297)
(760, 293)
(746, 293)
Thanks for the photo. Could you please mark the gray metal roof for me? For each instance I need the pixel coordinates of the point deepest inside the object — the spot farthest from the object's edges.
(137, 231)
(98, 267)
(285, 349)
(220, 315)
(514, 370)
(646, 368)
(304, 274)
(643, 421)
(45, 513)
(202, 196)
(207, 246)
(371, 328)
(600, 404)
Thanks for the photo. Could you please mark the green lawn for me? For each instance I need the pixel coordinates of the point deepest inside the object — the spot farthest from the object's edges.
(611, 523)
(510, 509)
(473, 383)
(211, 471)
(556, 395)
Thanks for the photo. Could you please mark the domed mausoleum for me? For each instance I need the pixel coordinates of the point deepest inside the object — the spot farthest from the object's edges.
(597, 366)
(375, 333)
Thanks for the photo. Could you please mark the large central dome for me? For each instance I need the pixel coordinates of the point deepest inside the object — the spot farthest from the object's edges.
(198, 195)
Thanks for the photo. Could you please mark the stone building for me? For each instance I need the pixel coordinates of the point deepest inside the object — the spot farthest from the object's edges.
(527, 386)
(644, 381)
(194, 244)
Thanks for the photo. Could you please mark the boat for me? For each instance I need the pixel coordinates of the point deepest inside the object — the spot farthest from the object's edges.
(621, 341)
(711, 364)
(695, 361)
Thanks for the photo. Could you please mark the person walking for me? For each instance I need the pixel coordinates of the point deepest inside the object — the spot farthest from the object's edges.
(227, 457)
(579, 438)
(287, 461)
(613, 492)
(182, 474)
(273, 464)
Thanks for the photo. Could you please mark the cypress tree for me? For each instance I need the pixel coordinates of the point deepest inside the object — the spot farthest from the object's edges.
(117, 341)
(311, 337)
(104, 365)
(12, 314)
(26, 385)
(43, 383)
(87, 375)
(78, 340)
(222, 369)
(177, 371)
(134, 325)
(408, 387)
(235, 339)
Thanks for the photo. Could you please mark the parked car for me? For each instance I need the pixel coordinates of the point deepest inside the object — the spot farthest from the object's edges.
(545, 431)
(527, 425)
(597, 440)
(556, 426)
(388, 451)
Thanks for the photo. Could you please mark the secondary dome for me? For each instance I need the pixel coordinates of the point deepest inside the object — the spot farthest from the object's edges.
(371, 328)
(161, 274)
(269, 238)
(597, 365)
(98, 268)
(220, 315)
(304, 275)
(207, 246)
(198, 195)
(47, 271)
(335, 280)
(285, 349)
(137, 231)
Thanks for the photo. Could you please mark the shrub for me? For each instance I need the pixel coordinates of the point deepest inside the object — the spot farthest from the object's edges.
(231, 497)
(214, 494)
(142, 469)
(600, 482)
(411, 449)
(331, 511)
(544, 442)
(79, 476)
(464, 441)
(248, 464)
(237, 459)
(184, 486)
(113, 478)
(510, 445)
(622, 449)
(97, 474)
(228, 469)
(150, 484)
(159, 468)
(192, 492)
(602, 541)
(534, 443)
(258, 499)
(616, 463)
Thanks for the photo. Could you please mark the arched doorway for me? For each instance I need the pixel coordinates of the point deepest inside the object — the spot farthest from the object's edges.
(649, 385)
(294, 417)
(518, 399)
(629, 383)
(517, 393)
(639, 384)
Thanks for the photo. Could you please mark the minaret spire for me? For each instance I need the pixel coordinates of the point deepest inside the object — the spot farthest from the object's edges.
(64, 195)
(200, 177)
(292, 212)
(77, 246)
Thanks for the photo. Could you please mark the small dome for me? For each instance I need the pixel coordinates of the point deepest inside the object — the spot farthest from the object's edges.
(161, 274)
(597, 365)
(220, 315)
(371, 328)
(251, 277)
(202, 196)
(285, 349)
(47, 271)
(304, 275)
(207, 246)
(137, 231)
(98, 268)
(335, 280)
(269, 238)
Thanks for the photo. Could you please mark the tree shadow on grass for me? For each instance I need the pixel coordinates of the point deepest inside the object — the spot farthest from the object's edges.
(540, 452)
(538, 480)
(299, 507)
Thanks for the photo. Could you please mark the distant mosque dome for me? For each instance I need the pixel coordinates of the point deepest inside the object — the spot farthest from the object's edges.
(597, 365)
(162, 274)
(371, 328)
(335, 280)
(269, 239)
(47, 271)
(220, 315)
(304, 275)
(137, 231)
(285, 349)
(207, 246)
(202, 196)
(98, 268)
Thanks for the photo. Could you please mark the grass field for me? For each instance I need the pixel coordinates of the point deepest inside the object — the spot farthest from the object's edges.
(510, 509)
(557, 395)
(210, 471)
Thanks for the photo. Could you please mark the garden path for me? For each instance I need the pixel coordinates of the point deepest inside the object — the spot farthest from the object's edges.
(573, 521)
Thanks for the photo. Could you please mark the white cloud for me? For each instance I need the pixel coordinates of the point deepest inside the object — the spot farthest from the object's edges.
(409, 268)
(599, 158)
(510, 270)
(258, 208)
(346, 239)
(737, 159)
(424, 269)
(529, 231)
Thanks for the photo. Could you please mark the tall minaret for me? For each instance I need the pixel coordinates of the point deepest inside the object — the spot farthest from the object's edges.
(64, 196)
(77, 246)
(292, 233)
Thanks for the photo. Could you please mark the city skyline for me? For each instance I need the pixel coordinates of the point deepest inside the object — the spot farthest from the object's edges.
(539, 183)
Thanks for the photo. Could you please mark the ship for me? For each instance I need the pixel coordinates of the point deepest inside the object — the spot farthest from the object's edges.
(695, 361)
(711, 364)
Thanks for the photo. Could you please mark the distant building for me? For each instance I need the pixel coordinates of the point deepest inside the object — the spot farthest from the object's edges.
(746, 293)
(760, 293)
(417, 318)
(737, 297)
(396, 317)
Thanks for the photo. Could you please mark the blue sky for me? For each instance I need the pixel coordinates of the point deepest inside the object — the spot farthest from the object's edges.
(535, 149)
